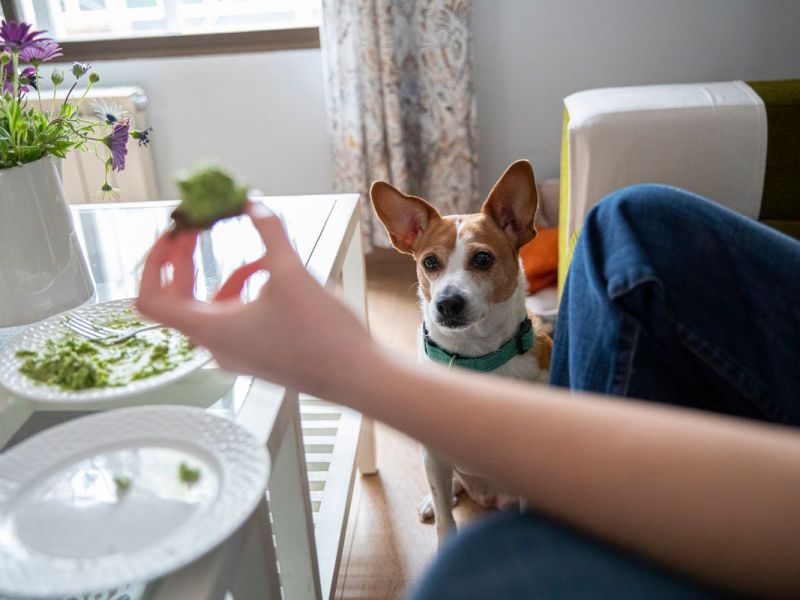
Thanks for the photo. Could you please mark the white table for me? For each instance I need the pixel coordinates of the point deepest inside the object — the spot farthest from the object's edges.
(304, 558)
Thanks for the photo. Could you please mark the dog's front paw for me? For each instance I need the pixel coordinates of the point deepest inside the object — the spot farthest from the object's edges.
(425, 509)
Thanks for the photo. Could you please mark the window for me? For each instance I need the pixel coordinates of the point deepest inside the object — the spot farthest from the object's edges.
(81, 20)
(91, 30)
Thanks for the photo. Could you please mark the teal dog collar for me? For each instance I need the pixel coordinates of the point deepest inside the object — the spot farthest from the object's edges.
(519, 344)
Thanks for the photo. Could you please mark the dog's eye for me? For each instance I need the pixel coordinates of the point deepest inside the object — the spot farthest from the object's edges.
(430, 263)
(482, 260)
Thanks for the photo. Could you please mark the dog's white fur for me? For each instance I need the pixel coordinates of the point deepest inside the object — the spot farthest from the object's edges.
(496, 324)
(487, 324)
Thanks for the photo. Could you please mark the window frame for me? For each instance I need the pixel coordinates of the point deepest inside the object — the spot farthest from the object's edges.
(189, 44)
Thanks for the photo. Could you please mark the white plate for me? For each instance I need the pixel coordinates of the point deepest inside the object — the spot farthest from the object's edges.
(34, 338)
(66, 528)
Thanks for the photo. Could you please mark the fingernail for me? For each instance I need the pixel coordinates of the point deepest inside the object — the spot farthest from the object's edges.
(257, 209)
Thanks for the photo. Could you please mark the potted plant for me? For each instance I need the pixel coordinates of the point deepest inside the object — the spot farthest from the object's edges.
(42, 268)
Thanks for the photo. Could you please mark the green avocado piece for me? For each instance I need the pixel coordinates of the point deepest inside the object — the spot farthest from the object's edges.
(69, 363)
(188, 475)
(208, 194)
(122, 484)
(73, 363)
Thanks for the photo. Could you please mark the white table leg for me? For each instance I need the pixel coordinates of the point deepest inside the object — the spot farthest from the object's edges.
(257, 576)
(366, 458)
(354, 284)
(245, 564)
(291, 508)
(205, 579)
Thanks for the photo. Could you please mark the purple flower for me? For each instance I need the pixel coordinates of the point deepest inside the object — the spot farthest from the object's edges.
(18, 35)
(40, 51)
(79, 69)
(27, 77)
(118, 144)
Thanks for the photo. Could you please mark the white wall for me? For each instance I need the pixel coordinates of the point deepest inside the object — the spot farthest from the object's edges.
(530, 54)
(261, 114)
(264, 114)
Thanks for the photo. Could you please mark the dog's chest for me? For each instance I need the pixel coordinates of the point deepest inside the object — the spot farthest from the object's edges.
(524, 366)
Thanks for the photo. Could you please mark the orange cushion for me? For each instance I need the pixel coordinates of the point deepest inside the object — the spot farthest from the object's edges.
(540, 259)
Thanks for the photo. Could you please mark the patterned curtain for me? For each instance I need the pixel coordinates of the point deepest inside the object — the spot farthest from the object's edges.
(401, 101)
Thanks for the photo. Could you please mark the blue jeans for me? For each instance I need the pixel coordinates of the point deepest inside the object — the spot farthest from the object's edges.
(669, 298)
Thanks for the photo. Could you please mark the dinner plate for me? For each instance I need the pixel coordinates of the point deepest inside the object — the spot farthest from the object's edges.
(35, 337)
(100, 501)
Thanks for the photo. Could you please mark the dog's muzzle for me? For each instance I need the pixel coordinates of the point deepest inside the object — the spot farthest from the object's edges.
(451, 310)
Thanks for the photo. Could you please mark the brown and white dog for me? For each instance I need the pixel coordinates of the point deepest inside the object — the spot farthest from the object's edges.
(472, 294)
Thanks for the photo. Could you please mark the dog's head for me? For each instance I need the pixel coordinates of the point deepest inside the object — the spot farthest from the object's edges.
(465, 263)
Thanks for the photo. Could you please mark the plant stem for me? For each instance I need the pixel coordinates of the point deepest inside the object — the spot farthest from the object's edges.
(82, 135)
(14, 73)
(50, 113)
(36, 84)
(86, 91)
(66, 98)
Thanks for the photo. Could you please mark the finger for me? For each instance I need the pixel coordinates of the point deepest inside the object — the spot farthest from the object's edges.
(155, 261)
(270, 228)
(232, 288)
(208, 324)
(182, 259)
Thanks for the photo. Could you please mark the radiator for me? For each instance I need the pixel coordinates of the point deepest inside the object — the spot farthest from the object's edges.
(83, 171)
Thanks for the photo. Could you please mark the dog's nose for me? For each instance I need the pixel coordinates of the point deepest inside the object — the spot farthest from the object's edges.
(450, 305)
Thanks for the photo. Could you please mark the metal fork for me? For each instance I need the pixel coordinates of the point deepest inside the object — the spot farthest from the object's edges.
(98, 333)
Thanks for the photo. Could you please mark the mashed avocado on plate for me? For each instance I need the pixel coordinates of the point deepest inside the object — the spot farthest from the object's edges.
(208, 194)
(71, 362)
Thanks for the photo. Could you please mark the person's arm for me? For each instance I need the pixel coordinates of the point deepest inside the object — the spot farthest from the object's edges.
(713, 497)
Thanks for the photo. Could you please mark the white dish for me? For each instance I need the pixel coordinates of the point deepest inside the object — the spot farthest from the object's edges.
(66, 525)
(34, 338)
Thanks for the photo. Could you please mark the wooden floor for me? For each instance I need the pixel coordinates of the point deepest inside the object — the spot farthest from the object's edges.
(386, 545)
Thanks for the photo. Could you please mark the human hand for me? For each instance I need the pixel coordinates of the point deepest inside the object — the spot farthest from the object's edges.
(295, 333)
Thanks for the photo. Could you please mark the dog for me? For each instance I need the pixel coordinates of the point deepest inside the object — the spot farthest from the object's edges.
(472, 295)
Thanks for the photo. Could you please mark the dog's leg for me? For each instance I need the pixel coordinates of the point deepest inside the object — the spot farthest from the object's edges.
(425, 508)
(440, 478)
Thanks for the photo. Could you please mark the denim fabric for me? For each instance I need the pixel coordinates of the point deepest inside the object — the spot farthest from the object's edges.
(670, 298)
(512, 556)
(675, 299)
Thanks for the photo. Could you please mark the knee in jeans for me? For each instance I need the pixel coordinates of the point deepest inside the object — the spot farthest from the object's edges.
(463, 567)
(641, 203)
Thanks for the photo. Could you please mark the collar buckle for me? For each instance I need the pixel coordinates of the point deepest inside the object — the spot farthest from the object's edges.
(522, 331)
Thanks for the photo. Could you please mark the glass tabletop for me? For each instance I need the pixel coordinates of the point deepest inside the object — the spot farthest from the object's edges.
(117, 237)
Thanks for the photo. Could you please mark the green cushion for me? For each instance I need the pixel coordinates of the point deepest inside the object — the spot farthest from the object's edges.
(780, 205)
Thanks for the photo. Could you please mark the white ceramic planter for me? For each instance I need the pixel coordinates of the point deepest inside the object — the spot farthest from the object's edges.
(42, 268)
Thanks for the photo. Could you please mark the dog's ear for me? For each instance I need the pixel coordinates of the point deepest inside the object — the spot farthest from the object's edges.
(405, 217)
(512, 203)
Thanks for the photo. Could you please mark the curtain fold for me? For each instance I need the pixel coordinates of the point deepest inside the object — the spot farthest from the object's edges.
(401, 101)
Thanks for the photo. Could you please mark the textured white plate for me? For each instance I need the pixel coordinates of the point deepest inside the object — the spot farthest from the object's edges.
(34, 338)
(66, 528)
